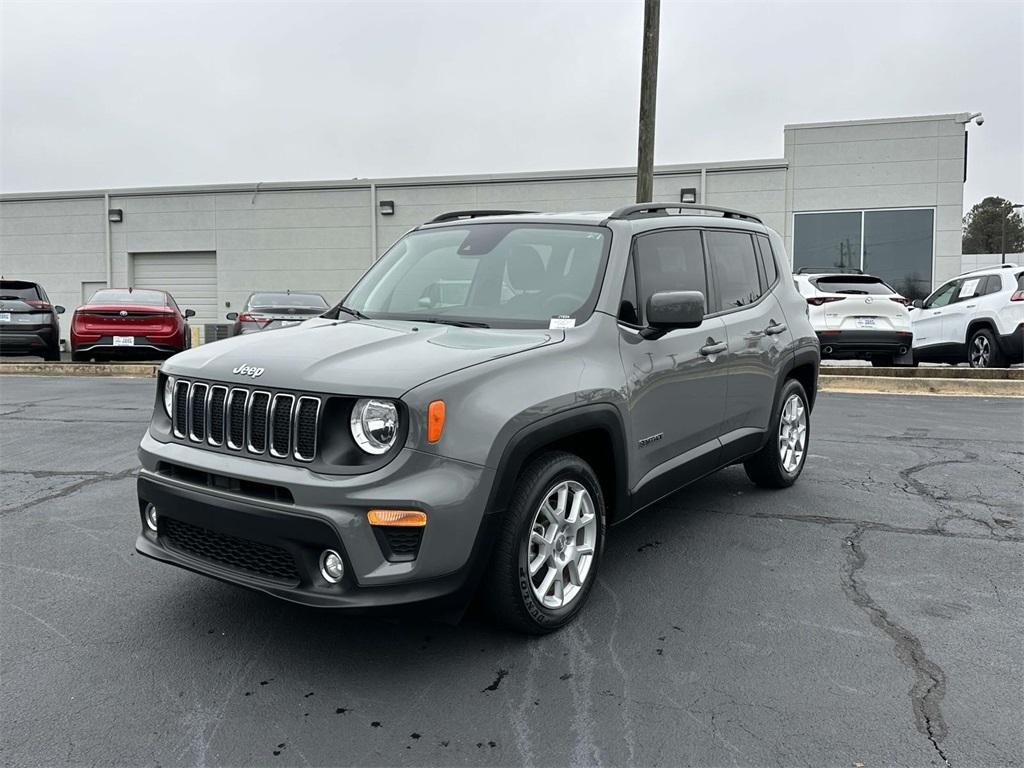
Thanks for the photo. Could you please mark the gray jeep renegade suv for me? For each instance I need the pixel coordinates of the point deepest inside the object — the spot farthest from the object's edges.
(494, 392)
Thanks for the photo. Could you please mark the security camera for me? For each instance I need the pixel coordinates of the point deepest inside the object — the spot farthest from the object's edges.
(979, 119)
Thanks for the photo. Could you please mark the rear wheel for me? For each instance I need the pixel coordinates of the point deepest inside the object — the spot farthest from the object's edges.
(549, 547)
(882, 362)
(983, 350)
(80, 357)
(52, 355)
(779, 463)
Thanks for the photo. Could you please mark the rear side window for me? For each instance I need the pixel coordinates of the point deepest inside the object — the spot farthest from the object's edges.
(16, 289)
(672, 260)
(853, 284)
(771, 271)
(993, 284)
(735, 265)
(1020, 281)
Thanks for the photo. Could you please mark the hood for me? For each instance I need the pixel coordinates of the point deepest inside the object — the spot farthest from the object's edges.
(382, 358)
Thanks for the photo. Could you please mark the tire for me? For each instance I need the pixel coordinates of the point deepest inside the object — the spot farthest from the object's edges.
(766, 468)
(882, 362)
(510, 595)
(80, 357)
(983, 350)
(52, 355)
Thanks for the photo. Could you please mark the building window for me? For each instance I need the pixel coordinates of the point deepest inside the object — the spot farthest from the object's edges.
(895, 245)
(898, 249)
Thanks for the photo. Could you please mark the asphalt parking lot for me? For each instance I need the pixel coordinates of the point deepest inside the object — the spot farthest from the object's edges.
(871, 615)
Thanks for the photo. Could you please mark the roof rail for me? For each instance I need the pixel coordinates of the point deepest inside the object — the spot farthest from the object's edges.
(829, 271)
(456, 215)
(993, 266)
(641, 210)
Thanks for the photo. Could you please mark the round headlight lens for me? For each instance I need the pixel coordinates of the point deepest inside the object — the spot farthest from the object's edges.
(168, 394)
(374, 425)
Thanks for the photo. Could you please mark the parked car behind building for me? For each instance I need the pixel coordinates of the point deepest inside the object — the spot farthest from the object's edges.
(28, 321)
(977, 318)
(267, 311)
(123, 322)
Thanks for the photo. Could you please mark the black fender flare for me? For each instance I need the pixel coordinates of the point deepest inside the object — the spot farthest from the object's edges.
(558, 426)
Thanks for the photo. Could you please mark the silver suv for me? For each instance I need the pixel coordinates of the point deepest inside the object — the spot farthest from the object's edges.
(496, 391)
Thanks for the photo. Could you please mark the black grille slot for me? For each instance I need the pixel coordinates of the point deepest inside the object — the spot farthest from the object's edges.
(306, 415)
(241, 554)
(252, 488)
(180, 407)
(281, 425)
(197, 419)
(217, 397)
(236, 418)
(259, 402)
(399, 544)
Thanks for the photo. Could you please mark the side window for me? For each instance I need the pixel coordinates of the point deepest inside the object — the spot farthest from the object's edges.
(629, 304)
(672, 260)
(771, 270)
(970, 288)
(993, 284)
(943, 295)
(735, 264)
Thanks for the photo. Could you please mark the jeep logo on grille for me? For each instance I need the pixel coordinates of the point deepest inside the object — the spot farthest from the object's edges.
(248, 370)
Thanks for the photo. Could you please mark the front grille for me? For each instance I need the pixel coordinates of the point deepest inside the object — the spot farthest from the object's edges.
(241, 554)
(282, 425)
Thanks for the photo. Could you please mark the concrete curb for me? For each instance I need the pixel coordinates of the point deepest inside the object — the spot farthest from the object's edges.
(130, 370)
(925, 372)
(882, 385)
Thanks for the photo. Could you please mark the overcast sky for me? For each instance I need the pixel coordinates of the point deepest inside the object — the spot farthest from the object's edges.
(132, 94)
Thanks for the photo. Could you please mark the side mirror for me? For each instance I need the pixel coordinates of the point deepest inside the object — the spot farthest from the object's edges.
(668, 310)
(230, 315)
(190, 313)
(917, 304)
(59, 309)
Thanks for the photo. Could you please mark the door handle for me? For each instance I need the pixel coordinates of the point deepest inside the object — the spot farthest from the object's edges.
(774, 328)
(970, 306)
(714, 348)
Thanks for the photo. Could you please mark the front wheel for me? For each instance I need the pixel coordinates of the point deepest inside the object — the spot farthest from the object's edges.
(983, 350)
(546, 557)
(779, 463)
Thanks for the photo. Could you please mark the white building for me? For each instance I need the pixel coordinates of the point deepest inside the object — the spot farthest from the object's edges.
(885, 195)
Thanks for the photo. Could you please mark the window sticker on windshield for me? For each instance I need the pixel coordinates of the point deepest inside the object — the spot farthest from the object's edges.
(968, 288)
(561, 321)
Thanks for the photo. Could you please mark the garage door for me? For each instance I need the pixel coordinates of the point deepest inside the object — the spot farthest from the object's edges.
(191, 278)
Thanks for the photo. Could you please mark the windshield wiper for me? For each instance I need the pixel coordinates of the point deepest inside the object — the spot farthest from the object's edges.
(451, 321)
(354, 312)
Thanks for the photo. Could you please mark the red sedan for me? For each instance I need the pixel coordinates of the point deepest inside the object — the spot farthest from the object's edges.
(124, 322)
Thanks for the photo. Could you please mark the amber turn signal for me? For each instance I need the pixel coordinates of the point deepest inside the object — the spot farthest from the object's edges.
(435, 421)
(397, 518)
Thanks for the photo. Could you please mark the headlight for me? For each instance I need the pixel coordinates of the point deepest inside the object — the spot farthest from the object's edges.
(168, 394)
(374, 425)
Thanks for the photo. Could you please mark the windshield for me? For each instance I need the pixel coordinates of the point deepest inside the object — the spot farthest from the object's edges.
(19, 290)
(114, 296)
(853, 284)
(309, 300)
(493, 275)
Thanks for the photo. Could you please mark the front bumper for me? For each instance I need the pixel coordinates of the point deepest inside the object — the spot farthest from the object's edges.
(274, 546)
(839, 345)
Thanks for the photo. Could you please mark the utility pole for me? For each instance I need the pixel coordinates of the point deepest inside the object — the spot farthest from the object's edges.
(648, 99)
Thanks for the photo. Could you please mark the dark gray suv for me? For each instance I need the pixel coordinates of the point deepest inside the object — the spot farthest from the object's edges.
(496, 391)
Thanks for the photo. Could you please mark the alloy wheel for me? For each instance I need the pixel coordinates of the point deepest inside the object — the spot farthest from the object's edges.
(981, 352)
(792, 433)
(563, 540)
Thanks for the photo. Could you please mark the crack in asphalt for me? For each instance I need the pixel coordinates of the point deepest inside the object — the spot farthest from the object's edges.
(929, 680)
(73, 488)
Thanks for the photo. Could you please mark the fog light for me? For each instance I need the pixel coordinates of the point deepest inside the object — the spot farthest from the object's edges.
(331, 566)
(151, 516)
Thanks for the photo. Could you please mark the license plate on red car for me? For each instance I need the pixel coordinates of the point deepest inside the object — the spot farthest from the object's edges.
(124, 341)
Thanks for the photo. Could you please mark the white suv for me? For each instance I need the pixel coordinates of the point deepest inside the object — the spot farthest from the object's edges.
(857, 316)
(977, 318)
